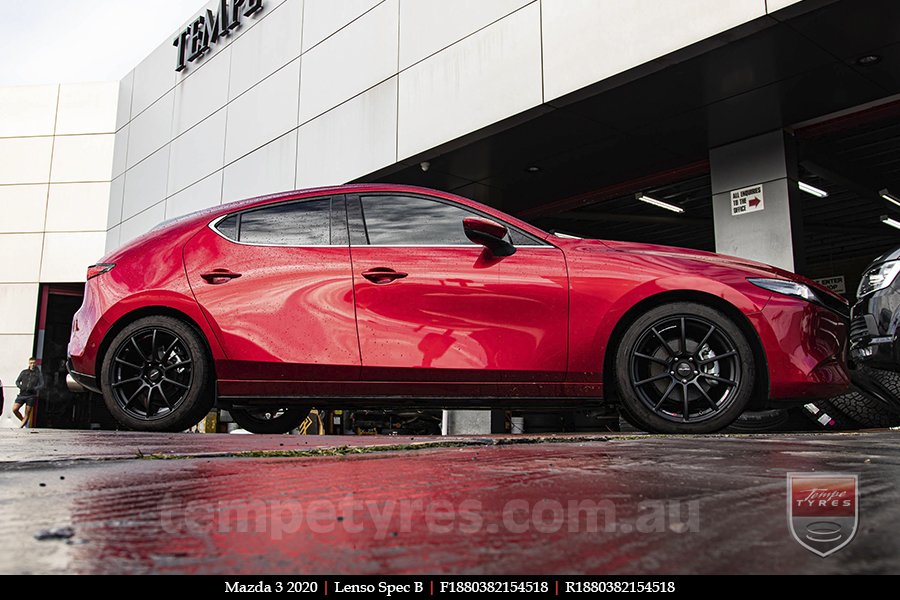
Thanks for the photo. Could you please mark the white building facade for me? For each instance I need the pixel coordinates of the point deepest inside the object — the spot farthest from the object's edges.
(313, 92)
(56, 154)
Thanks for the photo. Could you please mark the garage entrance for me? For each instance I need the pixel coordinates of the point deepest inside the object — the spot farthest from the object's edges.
(855, 159)
(57, 406)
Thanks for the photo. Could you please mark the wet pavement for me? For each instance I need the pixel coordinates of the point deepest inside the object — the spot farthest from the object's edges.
(616, 504)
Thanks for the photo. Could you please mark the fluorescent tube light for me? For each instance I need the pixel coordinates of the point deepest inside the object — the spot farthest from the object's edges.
(889, 197)
(889, 221)
(810, 189)
(659, 203)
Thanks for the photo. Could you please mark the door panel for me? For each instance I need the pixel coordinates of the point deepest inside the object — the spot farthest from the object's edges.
(535, 287)
(439, 323)
(461, 314)
(454, 312)
(288, 315)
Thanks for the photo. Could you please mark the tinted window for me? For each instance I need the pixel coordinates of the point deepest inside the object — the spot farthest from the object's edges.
(293, 224)
(520, 238)
(403, 220)
(339, 222)
(228, 227)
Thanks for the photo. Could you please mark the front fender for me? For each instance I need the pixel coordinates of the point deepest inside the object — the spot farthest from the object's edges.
(600, 311)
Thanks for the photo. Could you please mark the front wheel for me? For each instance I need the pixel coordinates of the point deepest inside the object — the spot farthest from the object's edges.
(269, 420)
(684, 367)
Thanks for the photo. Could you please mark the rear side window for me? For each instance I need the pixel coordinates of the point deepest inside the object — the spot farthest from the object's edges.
(228, 227)
(306, 223)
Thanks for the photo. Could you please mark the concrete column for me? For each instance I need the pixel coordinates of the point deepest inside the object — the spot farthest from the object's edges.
(774, 234)
(472, 422)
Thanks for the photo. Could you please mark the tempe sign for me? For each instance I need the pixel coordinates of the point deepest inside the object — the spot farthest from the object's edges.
(196, 39)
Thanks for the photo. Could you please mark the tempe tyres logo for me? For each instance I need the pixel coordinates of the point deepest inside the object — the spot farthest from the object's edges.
(823, 511)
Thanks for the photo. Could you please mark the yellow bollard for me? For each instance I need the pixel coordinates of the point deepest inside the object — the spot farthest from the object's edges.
(210, 423)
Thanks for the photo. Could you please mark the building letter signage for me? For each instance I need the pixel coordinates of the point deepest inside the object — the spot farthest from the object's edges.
(196, 39)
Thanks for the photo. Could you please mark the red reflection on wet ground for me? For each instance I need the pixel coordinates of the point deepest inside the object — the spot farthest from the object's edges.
(677, 505)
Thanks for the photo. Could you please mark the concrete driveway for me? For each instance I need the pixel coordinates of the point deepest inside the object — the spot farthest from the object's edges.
(606, 504)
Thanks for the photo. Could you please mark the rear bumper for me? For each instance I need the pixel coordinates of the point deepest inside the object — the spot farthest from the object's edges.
(80, 382)
(88, 329)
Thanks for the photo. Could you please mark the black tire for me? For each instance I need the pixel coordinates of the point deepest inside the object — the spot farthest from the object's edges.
(627, 422)
(865, 410)
(758, 421)
(881, 389)
(684, 368)
(269, 420)
(873, 400)
(156, 376)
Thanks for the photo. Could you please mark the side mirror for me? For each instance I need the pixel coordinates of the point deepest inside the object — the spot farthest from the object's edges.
(489, 234)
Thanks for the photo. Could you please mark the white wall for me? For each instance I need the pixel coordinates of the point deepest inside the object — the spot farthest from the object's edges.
(314, 92)
(56, 155)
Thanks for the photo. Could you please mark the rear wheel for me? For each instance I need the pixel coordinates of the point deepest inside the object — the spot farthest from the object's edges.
(156, 376)
(684, 368)
(269, 420)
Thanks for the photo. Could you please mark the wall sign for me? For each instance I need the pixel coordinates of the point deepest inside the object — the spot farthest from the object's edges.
(196, 39)
(835, 284)
(746, 200)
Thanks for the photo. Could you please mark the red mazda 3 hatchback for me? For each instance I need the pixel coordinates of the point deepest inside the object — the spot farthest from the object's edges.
(387, 296)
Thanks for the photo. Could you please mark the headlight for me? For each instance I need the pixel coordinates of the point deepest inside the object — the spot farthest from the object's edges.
(788, 288)
(878, 278)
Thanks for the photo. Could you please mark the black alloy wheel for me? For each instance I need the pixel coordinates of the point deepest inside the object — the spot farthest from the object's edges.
(154, 376)
(684, 368)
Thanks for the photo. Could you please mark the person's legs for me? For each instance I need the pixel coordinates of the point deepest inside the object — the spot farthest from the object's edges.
(27, 416)
(16, 412)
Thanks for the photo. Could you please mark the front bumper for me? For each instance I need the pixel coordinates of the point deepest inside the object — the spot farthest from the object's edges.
(873, 330)
(806, 349)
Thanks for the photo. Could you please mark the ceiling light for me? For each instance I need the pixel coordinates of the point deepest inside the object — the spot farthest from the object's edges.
(533, 169)
(868, 59)
(889, 221)
(889, 197)
(809, 189)
(659, 203)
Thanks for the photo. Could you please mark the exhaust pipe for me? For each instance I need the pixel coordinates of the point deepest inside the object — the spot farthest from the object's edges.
(73, 385)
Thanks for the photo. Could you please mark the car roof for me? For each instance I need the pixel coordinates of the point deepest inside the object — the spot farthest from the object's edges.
(348, 188)
(213, 212)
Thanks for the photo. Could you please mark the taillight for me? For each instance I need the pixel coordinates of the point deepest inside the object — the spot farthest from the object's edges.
(99, 269)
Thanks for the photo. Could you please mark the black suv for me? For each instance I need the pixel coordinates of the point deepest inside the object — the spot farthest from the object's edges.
(876, 315)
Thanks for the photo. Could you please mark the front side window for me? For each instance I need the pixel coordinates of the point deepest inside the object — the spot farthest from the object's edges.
(414, 221)
(305, 223)
(407, 220)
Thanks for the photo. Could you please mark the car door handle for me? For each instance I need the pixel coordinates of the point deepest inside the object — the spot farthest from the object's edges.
(381, 275)
(219, 276)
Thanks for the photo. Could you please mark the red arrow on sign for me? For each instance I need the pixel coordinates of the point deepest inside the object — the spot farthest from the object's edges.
(754, 202)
